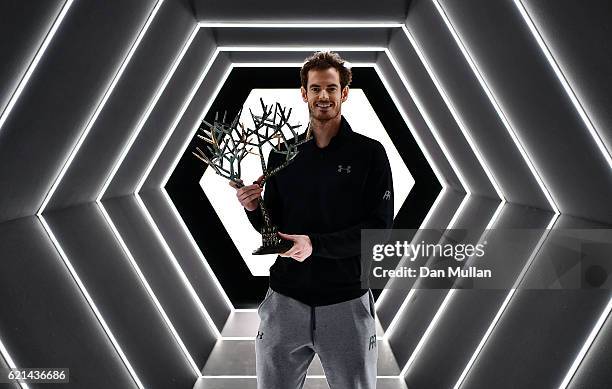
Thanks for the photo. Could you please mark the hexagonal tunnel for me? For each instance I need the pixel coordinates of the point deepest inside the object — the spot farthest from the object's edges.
(118, 248)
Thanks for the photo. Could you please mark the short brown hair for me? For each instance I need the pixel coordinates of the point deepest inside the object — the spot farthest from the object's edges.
(322, 60)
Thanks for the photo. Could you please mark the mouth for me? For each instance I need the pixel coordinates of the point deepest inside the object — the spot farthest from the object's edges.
(323, 105)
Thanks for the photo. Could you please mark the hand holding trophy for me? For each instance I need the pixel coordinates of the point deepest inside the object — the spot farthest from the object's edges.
(228, 143)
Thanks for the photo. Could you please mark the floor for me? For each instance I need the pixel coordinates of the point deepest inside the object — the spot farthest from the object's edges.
(231, 364)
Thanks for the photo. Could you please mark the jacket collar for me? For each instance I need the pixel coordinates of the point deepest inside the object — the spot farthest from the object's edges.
(343, 132)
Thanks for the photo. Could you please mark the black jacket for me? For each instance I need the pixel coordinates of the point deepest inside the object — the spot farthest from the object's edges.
(329, 194)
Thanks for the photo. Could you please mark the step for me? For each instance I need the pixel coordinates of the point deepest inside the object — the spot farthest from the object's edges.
(311, 383)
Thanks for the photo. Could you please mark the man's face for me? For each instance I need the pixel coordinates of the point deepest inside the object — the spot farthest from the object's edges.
(323, 94)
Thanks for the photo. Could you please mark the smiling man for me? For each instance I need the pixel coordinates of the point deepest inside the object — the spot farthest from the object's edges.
(338, 184)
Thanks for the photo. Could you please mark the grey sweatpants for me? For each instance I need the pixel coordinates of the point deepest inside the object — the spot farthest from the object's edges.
(290, 333)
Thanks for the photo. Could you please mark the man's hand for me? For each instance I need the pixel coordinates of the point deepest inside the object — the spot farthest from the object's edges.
(249, 195)
(301, 249)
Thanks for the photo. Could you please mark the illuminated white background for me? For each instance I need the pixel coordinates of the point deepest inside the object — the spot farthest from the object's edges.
(362, 118)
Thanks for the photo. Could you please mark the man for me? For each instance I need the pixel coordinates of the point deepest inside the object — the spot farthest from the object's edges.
(339, 183)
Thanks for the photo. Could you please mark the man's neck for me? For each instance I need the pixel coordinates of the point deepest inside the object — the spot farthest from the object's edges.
(324, 130)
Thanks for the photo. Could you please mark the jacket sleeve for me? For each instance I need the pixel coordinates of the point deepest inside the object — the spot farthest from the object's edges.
(271, 198)
(378, 213)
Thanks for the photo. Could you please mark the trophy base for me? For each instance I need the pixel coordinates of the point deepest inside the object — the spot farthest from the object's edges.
(281, 247)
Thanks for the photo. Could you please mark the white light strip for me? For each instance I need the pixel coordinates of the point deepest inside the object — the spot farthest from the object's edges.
(428, 331)
(458, 213)
(196, 248)
(454, 113)
(484, 339)
(235, 338)
(9, 361)
(411, 126)
(91, 303)
(101, 105)
(394, 321)
(498, 211)
(178, 118)
(290, 64)
(450, 294)
(267, 65)
(505, 303)
(195, 127)
(144, 282)
(177, 266)
(300, 25)
(34, 64)
(425, 221)
(301, 48)
(394, 377)
(428, 121)
(423, 225)
(146, 114)
(398, 314)
(587, 345)
(496, 106)
(566, 86)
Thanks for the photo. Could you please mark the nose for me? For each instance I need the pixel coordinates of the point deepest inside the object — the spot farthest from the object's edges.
(323, 95)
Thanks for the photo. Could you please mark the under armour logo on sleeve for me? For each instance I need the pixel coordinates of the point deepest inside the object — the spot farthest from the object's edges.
(387, 195)
(346, 169)
(372, 342)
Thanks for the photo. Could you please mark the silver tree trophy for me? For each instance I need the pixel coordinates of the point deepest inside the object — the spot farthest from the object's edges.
(228, 143)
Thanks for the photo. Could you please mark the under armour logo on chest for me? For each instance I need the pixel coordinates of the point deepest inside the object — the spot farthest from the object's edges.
(259, 335)
(387, 195)
(346, 169)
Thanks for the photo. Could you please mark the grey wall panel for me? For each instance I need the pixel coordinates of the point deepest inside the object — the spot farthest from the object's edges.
(296, 56)
(190, 119)
(514, 216)
(446, 126)
(594, 372)
(316, 10)
(46, 321)
(184, 129)
(310, 37)
(579, 38)
(398, 288)
(469, 313)
(27, 25)
(536, 105)
(473, 106)
(420, 127)
(198, 274)
(103, 267)
(110, 133)
(164, 279)
(444, 211)
(61, 96)
(540, 327)
(529, 334)
(163, 115)
(426, 300)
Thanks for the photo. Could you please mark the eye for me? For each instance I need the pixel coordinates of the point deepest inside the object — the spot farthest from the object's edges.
(314, 89)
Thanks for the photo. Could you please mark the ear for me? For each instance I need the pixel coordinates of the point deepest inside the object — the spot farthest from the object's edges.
(345, 93)
(304, 94)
